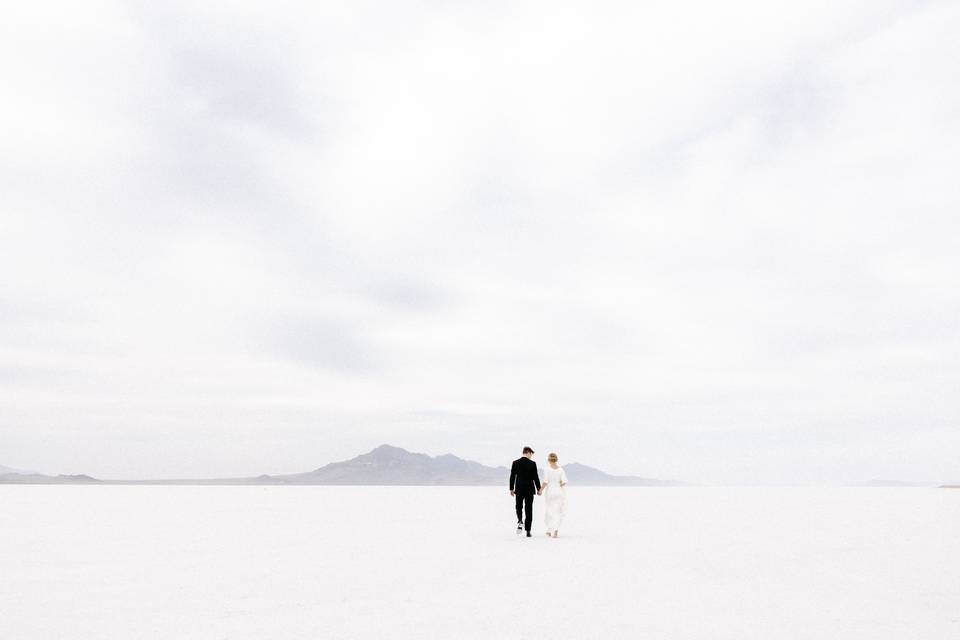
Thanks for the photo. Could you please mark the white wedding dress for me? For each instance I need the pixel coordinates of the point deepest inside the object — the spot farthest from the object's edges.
(555, 497)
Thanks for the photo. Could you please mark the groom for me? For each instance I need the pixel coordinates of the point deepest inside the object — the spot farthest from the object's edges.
(523, 478)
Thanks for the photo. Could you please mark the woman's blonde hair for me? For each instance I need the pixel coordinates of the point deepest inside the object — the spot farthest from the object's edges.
(552, 457)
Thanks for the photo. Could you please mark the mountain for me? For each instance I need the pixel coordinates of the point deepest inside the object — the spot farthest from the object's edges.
(385, 465)
(39, 478)
(9, 475)
(584, 476)
(388, 465)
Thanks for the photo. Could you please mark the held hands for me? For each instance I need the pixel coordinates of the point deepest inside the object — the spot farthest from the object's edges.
(539, 492)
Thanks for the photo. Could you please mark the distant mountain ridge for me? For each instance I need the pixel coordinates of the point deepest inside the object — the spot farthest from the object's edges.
(384, 465)
(39, 478)
(585, 476)
(389, 465)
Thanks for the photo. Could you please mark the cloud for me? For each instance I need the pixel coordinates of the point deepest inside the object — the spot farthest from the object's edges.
(715, 243)
(317, 341)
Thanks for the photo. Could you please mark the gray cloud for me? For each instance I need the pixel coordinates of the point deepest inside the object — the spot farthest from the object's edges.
(714, 245)
(316, 341)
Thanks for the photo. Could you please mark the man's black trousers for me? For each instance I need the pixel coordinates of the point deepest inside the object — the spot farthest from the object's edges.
(525, 506)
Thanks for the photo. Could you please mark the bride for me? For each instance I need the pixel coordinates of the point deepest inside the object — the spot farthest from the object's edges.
(555, 494)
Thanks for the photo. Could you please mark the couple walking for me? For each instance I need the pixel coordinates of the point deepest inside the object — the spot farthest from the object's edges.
(525, 481)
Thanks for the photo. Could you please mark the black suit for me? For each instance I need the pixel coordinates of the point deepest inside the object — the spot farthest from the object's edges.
(524, 481)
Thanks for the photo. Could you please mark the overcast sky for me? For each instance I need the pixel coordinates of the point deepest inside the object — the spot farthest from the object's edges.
(715, 242)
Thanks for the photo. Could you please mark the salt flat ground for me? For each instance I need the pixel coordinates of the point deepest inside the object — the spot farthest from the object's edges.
(214, 562)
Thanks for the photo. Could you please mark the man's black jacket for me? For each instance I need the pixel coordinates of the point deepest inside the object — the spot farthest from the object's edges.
(524, 476)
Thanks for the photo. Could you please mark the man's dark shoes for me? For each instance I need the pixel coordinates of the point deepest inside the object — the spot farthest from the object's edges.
(528, 535)
(519, 526)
